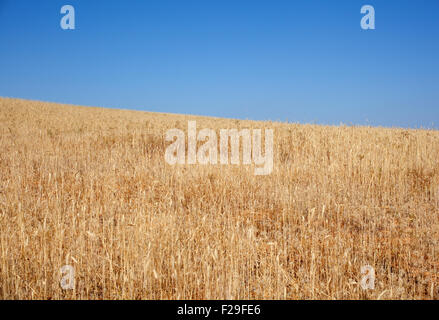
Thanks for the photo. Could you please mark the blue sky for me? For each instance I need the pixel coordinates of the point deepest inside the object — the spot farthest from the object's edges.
(301, 61)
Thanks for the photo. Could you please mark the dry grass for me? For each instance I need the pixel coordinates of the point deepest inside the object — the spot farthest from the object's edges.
(89, 187)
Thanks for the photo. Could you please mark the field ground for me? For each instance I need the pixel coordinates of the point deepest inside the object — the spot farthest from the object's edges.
(89, 187)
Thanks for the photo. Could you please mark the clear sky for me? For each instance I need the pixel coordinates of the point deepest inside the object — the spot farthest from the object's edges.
(301, 61)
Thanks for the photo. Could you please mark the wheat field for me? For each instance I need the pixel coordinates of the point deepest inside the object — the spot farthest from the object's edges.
(89, 187)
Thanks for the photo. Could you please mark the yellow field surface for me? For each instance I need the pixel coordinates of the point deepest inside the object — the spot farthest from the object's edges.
(90, 188)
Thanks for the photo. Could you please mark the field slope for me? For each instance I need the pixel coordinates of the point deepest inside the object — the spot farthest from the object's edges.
(90, 188)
